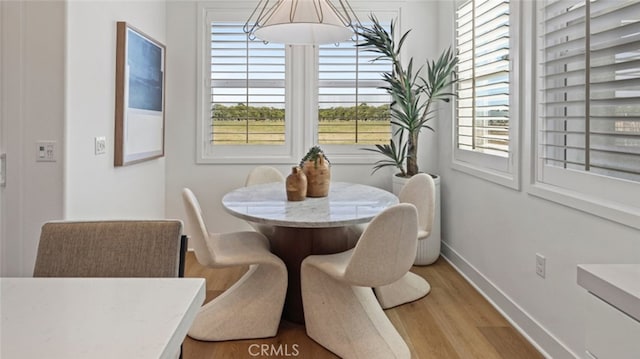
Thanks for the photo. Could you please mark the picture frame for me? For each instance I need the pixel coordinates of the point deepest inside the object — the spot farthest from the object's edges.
(140, 96)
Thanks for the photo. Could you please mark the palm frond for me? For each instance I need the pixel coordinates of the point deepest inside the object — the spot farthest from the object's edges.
(411, 94)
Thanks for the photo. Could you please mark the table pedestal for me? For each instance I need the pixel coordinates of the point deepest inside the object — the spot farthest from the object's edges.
(293, 245)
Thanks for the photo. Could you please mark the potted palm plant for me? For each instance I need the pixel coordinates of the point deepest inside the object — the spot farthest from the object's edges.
(413, 98)
(413, 95)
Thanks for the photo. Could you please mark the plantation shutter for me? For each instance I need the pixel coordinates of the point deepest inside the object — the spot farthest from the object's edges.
(482, 104)
(590, 87)
(351, 107)
(247, 88)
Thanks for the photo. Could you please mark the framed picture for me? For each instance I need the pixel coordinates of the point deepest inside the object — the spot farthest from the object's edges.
(140, 87)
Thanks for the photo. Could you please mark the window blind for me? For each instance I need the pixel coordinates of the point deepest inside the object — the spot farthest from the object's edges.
(482, 104)
(590, 86)
(247, 88)
(352, 109)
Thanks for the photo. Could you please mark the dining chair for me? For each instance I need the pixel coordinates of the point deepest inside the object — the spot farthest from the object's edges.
(262, 175)
(111, 248)
(251, 307)
(419, 191)
(341, 312)
(127, 248)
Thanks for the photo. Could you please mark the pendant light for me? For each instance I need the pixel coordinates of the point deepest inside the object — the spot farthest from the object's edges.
(302, 22)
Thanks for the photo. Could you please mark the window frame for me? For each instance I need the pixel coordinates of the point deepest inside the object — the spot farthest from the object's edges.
(348, 153)
(301, 98)
(230, 154)
(501, 170)
(600, 195)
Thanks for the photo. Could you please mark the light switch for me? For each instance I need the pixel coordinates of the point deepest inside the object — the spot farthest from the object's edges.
(46, 151)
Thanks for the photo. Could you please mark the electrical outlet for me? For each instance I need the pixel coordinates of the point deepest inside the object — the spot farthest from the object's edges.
(541, 264)
(100, 145)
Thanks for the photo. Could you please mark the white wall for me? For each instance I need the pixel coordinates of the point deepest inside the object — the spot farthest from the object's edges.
(94, 187)
(210, 182)
(32, 41)
(493, 233)
(3, 227)
(58, 78)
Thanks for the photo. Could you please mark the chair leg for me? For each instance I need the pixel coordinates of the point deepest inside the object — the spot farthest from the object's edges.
(347, 319)
(249, 309)
(408, 288)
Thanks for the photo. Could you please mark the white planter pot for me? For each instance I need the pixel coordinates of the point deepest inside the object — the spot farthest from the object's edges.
(429, 248)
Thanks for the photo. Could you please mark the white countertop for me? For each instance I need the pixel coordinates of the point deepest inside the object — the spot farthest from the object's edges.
(96, 317)
(347, 203)
(616, 284)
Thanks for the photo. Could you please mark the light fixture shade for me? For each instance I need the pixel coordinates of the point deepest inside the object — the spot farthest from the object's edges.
(301, 22)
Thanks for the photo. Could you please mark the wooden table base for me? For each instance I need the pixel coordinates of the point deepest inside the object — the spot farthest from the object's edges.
(293, 245)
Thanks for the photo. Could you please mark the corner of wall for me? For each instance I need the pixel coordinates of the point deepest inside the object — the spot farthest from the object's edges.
(33, 110)
(549, 345)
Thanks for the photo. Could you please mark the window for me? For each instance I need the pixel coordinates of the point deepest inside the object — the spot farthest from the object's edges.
(245, 99)
(483, 77)
(588, 138)
(247, 88)
(590, 115)
(352, 109)
(268, 103)
(485, 108)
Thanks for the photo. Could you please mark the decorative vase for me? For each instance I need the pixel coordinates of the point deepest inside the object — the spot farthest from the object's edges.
(318, 177)
(296, 185)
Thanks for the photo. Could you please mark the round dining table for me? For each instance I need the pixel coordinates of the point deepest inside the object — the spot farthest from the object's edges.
(297, 229)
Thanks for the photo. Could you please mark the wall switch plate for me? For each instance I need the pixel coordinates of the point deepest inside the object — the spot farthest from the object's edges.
(46, 151)
(541, 264)
(100, 145)
(3, 170)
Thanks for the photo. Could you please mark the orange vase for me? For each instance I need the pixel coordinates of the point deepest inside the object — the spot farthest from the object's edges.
(296, 185)
(318, 177)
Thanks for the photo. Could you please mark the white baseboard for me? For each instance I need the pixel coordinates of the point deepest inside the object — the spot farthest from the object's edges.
(536, 334)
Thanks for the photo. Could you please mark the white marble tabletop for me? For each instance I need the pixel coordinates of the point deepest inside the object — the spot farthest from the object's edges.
(96, 317)
(346, 204)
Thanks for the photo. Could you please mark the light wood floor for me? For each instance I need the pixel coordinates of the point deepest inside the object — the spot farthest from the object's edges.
(453, 321)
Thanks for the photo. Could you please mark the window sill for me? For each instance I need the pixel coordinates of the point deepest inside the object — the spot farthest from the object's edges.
(231, 160)
(335, 156)
(613, 211)
(498, 177)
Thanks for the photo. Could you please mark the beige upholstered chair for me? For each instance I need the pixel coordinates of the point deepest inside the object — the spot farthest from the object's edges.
(110, 249)
(252, 307)
(262, 175)
(145, 248)
(340, 309)
(419, 191)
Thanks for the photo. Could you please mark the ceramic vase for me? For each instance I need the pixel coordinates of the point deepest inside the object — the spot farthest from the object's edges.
(296, 185)
(318, 177)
